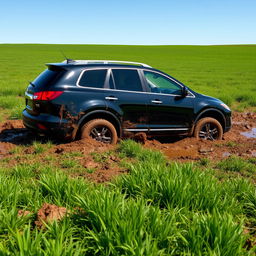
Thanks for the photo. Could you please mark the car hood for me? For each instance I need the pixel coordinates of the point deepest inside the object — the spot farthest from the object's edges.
(209, 98)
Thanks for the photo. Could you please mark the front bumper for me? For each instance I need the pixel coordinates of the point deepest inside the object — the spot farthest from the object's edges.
(228, 123)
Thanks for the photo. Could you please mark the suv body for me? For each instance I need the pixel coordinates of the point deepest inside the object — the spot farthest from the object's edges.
(133, 97)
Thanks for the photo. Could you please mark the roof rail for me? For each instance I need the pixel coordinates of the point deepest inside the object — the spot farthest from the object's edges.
(106, 62)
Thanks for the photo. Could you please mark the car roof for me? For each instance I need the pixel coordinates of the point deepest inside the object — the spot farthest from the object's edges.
(100, 63)
(77, 62)
(80, 64)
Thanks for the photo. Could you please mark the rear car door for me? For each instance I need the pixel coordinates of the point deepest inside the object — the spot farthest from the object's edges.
(127, 97)
(168, 109)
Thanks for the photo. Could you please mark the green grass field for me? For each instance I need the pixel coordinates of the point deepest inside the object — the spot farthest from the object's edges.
(226, 72)
(159, 208)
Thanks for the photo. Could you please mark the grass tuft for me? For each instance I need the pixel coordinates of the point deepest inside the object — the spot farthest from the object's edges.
(236, 164)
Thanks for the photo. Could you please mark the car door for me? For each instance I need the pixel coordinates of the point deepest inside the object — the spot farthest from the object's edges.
(127, 97)
(168, 109)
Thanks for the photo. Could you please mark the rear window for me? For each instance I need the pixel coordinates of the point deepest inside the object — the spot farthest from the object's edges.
(93, 78)
(47, 78)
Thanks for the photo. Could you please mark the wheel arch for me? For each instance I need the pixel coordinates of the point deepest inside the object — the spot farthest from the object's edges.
(98, 114)
(214, 113)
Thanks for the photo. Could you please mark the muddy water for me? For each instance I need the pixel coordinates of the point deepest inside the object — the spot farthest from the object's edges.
(251, 134)
(226, 154)
(14, 135)
(9, 137)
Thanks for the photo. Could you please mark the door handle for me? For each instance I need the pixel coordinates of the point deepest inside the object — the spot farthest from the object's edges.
(157, 101)
(111, 98)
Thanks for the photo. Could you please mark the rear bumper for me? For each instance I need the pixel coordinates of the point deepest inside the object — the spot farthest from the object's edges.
(47, 124)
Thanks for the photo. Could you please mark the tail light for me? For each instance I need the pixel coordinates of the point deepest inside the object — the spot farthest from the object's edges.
(46, 95)
(42, 127)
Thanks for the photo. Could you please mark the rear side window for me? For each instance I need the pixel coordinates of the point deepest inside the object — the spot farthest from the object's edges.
(127, 79)
(93, 78)
(47, 78)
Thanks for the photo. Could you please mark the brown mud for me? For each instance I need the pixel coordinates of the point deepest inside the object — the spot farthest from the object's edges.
(49, 213)
(240, 141)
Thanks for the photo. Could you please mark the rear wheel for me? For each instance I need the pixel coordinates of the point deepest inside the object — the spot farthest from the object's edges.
(100, 130)
(208, 129)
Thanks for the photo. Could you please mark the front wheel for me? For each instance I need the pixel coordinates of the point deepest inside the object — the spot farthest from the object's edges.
(100, 130)
(208, 129)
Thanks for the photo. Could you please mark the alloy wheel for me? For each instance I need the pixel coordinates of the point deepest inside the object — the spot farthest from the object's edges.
(209, 131)
(102, 134)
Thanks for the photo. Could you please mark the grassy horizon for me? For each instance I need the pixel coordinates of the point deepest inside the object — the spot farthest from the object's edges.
(132, 44)
(224, 71)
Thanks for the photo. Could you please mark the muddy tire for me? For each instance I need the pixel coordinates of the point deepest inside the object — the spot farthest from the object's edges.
(100, 130)
(208, 129)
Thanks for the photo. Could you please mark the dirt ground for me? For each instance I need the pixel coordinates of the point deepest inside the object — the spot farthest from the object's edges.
(240, 141)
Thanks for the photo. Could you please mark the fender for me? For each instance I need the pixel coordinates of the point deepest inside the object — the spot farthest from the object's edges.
(214, 110)
(99, 111)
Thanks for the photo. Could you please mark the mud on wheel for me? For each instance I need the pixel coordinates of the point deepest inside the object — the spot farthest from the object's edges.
(208, 129)
(100, 130)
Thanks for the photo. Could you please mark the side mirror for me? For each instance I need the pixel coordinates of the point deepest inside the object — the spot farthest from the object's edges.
(184, 91)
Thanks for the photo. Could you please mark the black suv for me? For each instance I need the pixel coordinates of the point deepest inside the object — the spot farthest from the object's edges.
(110, 99)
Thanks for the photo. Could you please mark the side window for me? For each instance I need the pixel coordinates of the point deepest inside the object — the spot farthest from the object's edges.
(161, 84)
(127, 79)
(93, 78)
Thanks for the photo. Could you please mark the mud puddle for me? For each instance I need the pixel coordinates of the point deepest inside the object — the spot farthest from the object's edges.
(226, 154)
(13, 135)
(14, 132)
(251, 134)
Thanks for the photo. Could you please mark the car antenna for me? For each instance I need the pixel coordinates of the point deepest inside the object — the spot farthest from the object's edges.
(67, 59)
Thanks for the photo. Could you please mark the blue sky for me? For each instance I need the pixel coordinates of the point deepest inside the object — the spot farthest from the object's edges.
(128, 22)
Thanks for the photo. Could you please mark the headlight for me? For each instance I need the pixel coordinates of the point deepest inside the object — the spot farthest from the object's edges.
(225, 106)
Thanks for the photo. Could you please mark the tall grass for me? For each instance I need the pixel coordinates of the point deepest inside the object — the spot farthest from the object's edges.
(176, 186)
(157, 209)
(215, 234)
